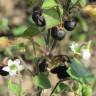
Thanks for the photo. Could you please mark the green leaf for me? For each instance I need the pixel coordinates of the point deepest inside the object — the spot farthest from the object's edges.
(86, 90)
(8, 51)
(15, 88)
(4, 24)
(52, 18)
(47, 4)
(42, 81)
(83, 23)
(79, 69)
(73, 1)
(83, 2)
(19, 30)
(31, 30)
(87, 79)
(39, 40)
(62, 88)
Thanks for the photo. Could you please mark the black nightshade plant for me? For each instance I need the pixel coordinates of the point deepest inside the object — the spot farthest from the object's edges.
(57, 34)
(2, 72)
(61, 72)
(38, 18)
(70, 24)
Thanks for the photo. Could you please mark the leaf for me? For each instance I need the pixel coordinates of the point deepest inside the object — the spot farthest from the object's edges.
(79, 69)
(86, 90)
(4, 24)
(47, 4)
(73, 1)
(15, 88)
(19, 30)
(8, 51)
(83, 2)
(42, 81)
(62, 88)
(39, 40)
(31, 30)
(52, 18)
(83, 23)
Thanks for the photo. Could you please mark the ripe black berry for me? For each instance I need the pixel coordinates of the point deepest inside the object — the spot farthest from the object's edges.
(57, 34)
(61, 72)
(2, 72)
(70, 24)
(38, 18)
(42, 66)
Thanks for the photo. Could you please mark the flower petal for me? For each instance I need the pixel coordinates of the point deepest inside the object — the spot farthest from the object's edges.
(17, 61)
(20, 67)
(12, 73)
(6, 69)
(86, 54)
(10, 62)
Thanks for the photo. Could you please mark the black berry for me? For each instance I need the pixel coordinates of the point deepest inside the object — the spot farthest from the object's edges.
(42, 66)
(61, 72)
(70, 24)
(91, 1)
(57, 34)
(2, 72)
(38, 18)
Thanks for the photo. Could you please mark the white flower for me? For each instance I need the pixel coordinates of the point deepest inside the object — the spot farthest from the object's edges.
(86, 54)
(13, 67)
(74, 47)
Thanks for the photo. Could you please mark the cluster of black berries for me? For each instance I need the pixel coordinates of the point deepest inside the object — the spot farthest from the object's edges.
(56, 33)
(37, 17)
(61, 72)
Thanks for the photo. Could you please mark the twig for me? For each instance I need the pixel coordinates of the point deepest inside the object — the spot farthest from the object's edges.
(55, 87)
(23, 62)
(53, 45)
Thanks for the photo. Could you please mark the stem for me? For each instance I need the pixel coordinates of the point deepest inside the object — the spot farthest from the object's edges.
(23, 62)
(67, 4)
(48, 38)
(20, 83)
(74, 5)
(34, 47)
(53, 46)
(55, 87)
(59, 13)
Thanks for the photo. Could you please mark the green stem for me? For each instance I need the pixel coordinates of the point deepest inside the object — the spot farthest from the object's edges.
(67, 4)
(74, 5)
(20, 83)
(53, 45)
